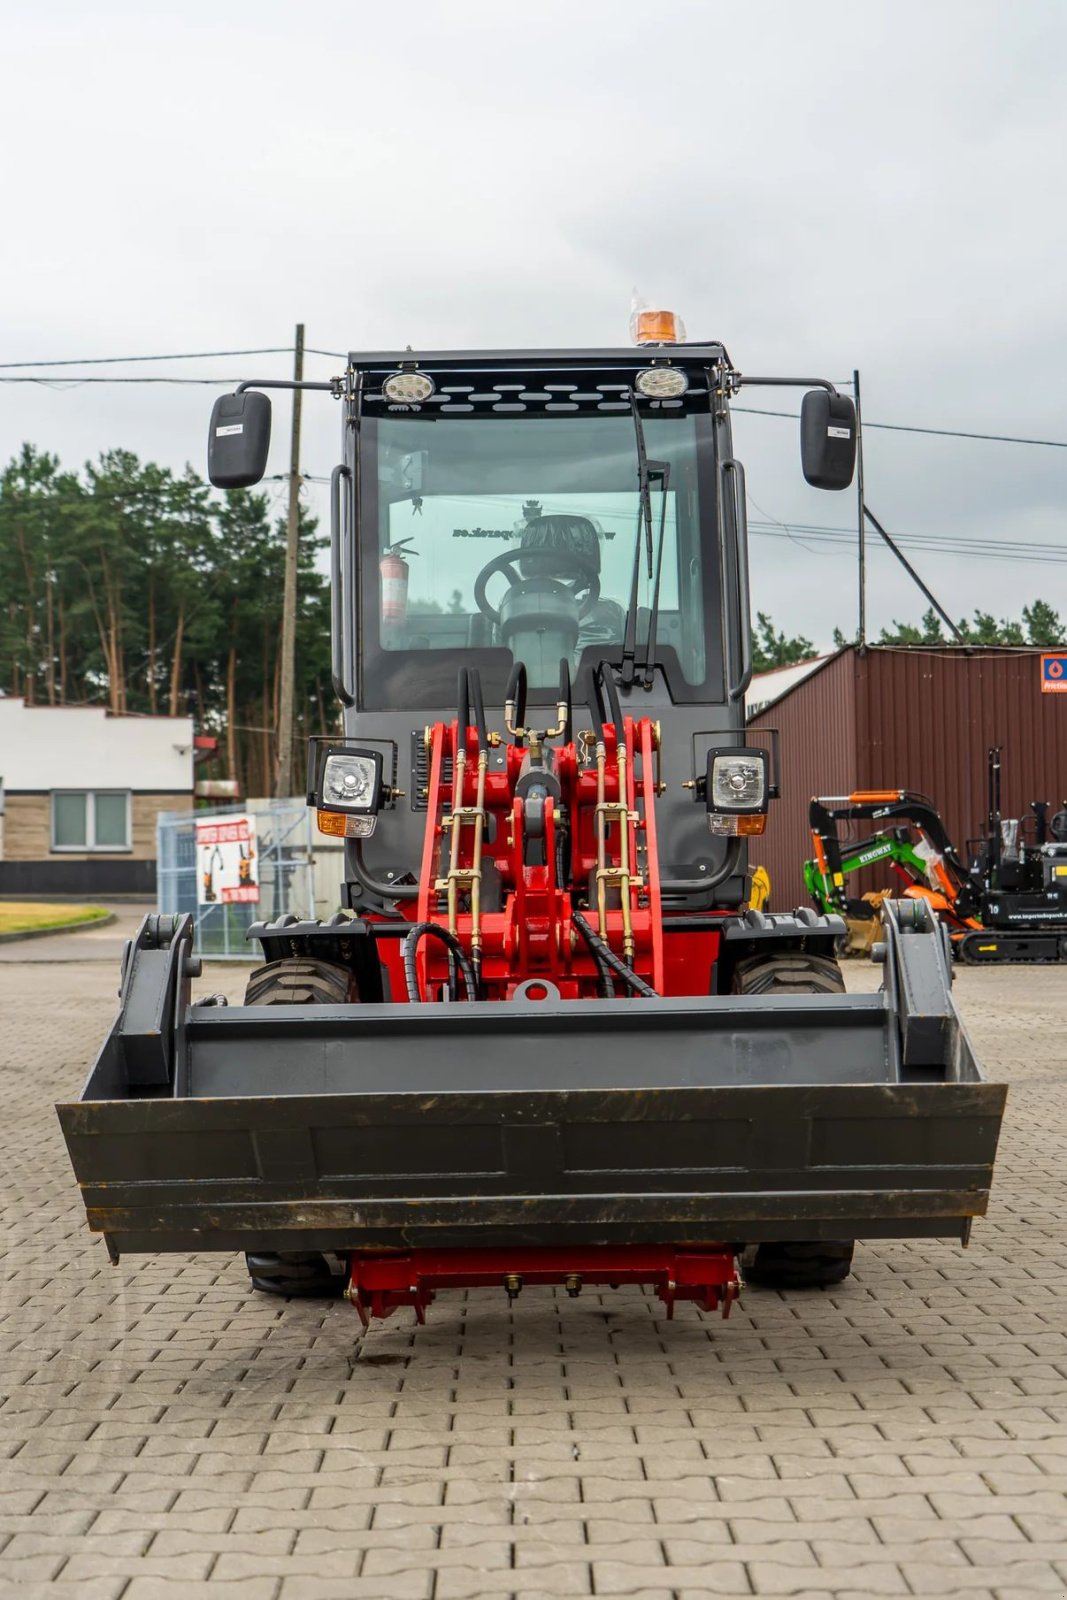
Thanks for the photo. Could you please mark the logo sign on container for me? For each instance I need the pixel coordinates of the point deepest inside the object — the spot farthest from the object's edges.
(1053, 674)
(226, 862)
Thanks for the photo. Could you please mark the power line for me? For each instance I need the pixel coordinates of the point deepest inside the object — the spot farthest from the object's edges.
(44, 500)
(61, 384)
(932, 544)
(943, 433)
(925, 536)
(185, 355)
(78, 381)
(181, 355)
(265, 350)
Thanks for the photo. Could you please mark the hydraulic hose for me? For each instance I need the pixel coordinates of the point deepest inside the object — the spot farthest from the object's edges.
(596, 949)
(411, 943)
(607, 985)
(463, 703)
(474, 679)
(515, 696)
(563, 875)
(563, 848)
(603, 954)
(605, 708)
(565, 697)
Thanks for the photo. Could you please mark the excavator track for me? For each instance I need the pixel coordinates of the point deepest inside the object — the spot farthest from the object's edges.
(990, 948)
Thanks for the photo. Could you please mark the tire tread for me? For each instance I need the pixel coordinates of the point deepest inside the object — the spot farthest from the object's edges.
(794, 1264)
(297, 981)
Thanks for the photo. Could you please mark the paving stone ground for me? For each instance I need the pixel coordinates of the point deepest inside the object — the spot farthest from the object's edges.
(165, 1433)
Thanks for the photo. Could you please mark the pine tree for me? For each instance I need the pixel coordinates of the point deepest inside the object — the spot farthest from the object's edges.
(771, 648)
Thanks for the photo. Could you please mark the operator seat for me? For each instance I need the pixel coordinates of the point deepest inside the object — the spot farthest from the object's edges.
(559, 531)
(554, 584)
(562, 531)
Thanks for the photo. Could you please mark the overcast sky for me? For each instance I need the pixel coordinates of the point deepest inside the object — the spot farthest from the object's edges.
(823, 187)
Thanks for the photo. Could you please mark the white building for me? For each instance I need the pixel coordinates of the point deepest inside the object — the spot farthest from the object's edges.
(80, 791)
(768, 687)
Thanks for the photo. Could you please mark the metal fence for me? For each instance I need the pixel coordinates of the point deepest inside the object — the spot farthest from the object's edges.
(285, 869)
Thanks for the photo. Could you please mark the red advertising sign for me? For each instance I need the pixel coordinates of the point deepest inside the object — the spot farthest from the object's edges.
(226, 861)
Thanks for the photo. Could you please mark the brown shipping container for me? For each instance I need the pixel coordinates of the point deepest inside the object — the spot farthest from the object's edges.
(919, 718)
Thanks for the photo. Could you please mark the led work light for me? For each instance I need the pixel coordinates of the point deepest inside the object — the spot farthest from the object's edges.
(408, 388)
(661, 383)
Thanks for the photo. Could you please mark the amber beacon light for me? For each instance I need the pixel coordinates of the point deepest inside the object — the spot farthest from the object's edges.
(657, 327)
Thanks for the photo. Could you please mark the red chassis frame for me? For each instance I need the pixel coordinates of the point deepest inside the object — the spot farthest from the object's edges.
(531, 937)
(527, 938)
(378, 1285)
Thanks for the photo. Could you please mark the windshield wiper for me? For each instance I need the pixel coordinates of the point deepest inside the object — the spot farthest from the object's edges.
(646, 471)
(662, 471)
(644, 519)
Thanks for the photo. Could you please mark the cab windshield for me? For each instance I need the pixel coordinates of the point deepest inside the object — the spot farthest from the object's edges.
(490, 538)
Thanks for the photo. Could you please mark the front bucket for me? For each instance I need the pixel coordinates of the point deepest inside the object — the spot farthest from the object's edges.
(719, 1118)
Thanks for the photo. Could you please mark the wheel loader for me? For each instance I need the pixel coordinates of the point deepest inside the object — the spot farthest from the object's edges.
(546, 1040)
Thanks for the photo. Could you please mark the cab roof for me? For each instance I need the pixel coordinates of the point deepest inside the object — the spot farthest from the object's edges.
(629, 356)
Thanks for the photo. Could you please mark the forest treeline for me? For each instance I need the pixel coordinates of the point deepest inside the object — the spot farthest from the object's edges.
(1040, 624)
(134, 587)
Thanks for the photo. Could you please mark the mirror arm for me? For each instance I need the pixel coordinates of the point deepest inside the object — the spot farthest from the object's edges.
(334, 386)
(742, 380)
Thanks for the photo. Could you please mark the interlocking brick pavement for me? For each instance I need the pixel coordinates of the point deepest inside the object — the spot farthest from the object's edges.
(165, 1433)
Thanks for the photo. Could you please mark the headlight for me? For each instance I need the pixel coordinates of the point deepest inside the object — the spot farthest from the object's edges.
(408, 388)
(661, 383)
(348, 792)
(735, 791)
(738, 783)
(351, 782)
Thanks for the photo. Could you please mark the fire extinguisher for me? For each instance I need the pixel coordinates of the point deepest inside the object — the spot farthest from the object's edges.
(395, 572)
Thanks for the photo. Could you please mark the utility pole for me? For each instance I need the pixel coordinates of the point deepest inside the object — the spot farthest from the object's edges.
(861, 514)
(284, 784)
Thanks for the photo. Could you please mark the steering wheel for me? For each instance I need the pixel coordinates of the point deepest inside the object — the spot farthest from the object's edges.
(584, 585)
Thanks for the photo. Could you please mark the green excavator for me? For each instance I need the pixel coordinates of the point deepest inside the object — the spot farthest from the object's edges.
(1007, 903)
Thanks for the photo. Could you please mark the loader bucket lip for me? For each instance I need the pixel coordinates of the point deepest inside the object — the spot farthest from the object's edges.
(690, 1120)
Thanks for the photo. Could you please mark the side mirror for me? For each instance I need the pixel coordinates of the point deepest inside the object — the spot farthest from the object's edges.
(239, 440)
(828, 439)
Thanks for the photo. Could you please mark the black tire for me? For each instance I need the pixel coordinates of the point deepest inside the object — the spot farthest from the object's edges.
(297, 981)
(794, 1264)
(304, 1275)
(798, 1265)
(795, 973)
(300, 981)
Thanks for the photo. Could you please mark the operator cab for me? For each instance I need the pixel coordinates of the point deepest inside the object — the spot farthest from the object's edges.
(503, 522)
(505, 507)
(576, 514)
